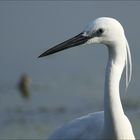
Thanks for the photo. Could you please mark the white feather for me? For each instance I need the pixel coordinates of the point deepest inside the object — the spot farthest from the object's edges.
(128, 65)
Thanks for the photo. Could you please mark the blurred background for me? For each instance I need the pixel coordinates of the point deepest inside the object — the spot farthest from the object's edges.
(39, 95)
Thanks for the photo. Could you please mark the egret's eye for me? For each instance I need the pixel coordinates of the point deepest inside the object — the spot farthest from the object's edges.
(99, 31)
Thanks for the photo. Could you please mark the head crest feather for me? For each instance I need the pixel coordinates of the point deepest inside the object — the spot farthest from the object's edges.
(128, 65)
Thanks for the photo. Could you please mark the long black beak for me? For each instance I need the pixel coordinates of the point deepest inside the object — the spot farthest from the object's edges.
(75, 41)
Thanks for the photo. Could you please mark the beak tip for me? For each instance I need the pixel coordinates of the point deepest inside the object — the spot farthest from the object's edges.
(40, 56)
(43, 54)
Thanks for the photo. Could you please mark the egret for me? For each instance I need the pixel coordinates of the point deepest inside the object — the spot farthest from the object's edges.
(112, 123)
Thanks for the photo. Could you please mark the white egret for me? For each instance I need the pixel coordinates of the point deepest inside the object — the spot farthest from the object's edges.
(112, 123)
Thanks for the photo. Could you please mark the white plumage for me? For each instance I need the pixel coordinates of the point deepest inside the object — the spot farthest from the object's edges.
(82, 128)
(111, 123)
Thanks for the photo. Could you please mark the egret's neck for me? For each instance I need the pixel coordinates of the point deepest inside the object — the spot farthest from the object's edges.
(112, 103)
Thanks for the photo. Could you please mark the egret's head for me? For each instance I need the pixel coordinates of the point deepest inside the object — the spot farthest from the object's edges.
(103, 30)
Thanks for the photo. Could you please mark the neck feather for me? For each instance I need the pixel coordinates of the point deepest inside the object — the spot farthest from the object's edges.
(112, 103)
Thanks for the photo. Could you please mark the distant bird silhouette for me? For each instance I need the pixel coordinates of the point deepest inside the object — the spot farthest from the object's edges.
(24, 86)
